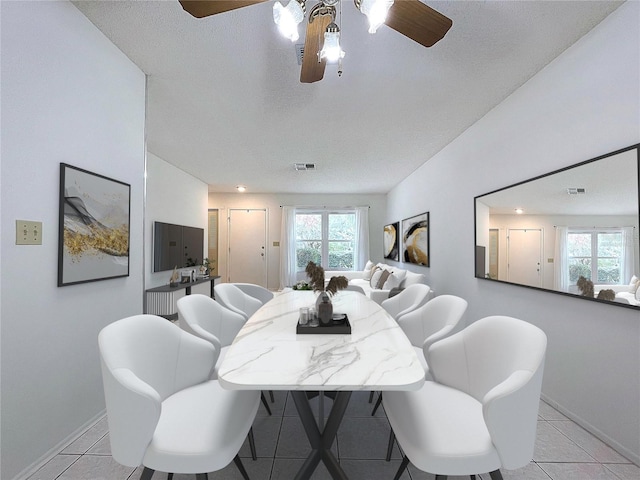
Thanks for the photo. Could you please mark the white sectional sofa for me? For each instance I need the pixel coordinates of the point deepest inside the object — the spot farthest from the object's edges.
(375, 282)
(624, 293)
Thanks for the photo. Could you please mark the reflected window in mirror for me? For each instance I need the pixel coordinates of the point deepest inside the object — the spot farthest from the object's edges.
(573, 231)
(600, 255)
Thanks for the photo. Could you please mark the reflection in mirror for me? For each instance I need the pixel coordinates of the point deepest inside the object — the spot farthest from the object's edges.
(573, 231)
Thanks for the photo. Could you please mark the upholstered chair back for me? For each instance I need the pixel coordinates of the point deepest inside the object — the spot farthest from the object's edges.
(434, 320)
(236, 300)
(407, 300)
(206, 318)
(355, 288)
(485, 353)
(256, 291)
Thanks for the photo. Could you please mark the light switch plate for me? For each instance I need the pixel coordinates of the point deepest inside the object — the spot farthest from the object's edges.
(28, 232)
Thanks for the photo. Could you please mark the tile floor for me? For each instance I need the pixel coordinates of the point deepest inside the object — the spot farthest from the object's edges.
(564, 451)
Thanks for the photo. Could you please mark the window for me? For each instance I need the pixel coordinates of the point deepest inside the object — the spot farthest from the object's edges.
(595, 255)
(326, 238)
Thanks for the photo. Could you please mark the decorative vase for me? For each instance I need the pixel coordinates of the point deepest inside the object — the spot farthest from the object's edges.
(324, 308)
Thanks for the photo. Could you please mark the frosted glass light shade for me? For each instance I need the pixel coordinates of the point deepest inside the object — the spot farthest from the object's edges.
(288, 18)
(331, 50)
(376, 12)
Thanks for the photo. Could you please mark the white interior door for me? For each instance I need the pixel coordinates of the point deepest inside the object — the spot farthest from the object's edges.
(494, 249)
(524, 256)
(247, 246)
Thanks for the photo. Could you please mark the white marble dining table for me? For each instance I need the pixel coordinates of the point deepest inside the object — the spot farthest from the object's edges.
(267, 354)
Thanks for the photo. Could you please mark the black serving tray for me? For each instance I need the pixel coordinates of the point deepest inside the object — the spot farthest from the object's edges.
(341, 327)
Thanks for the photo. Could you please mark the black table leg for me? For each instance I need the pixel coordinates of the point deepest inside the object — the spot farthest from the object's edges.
(321, 441)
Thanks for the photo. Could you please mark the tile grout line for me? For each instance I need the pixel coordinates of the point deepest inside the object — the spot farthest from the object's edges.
(271, 472)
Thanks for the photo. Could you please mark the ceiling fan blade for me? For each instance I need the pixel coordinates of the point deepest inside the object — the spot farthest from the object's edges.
(417, 21)
(312, 69)
(204, 8)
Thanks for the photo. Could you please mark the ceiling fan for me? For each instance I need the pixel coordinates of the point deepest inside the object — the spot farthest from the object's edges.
(411, 18)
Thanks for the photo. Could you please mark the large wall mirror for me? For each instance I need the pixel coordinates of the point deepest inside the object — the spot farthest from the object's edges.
(573, 231)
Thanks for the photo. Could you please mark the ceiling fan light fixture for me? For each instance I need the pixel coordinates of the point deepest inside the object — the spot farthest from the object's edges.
(288, 18)
(376, 12)
(331, 50)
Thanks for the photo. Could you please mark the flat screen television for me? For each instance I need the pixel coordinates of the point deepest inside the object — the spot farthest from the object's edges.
(176, 246)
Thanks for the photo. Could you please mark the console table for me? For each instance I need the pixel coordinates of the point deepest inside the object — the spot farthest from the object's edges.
(162, 300)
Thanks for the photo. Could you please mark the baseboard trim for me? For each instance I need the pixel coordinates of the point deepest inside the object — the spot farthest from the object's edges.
(38, 464)
(621, 449)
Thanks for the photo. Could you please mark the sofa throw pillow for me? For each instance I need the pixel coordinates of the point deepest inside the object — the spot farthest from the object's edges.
(395, 279)
(383, 279)
(634, 284)
(366, 274)
(376, 271)
(395, 291)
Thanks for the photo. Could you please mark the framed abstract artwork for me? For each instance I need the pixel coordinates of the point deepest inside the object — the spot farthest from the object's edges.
(93, 230)
(390, 241)
(415, 240)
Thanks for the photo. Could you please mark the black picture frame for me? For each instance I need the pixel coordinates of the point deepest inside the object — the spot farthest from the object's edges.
(390, 241)
(93, 228)
(415, 240)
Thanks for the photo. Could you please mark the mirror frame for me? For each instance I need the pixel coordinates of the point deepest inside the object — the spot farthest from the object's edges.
(479, 250)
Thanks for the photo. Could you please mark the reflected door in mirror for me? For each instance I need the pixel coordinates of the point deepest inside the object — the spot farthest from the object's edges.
(524, 252)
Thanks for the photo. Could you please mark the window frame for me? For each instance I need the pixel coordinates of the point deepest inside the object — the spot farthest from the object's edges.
(594, 233)
(325, 240)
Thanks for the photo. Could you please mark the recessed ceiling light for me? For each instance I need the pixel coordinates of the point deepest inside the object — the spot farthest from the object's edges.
(241, 188)
(519, 211)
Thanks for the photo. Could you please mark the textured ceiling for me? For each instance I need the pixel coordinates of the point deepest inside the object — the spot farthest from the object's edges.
(225, 103)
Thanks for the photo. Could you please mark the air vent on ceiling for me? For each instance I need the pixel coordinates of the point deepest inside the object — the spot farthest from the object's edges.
(576, 191)
(300, 52)
(304, 166)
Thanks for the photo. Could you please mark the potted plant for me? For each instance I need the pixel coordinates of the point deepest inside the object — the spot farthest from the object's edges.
(210, 265)
(324, 307)
(302, 286)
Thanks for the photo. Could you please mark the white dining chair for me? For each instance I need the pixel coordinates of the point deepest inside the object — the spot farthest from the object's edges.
(231, 297)
(264, 295)
(355, 288)
(202, 316)
(163, 410)
(244, 299)
(480, 412)
(431, 322)
(256, 291)
(407, 300)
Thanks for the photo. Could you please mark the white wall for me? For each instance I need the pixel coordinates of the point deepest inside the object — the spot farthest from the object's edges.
(68, 95)
(583, 104)
(173, 196)
(272, 202)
